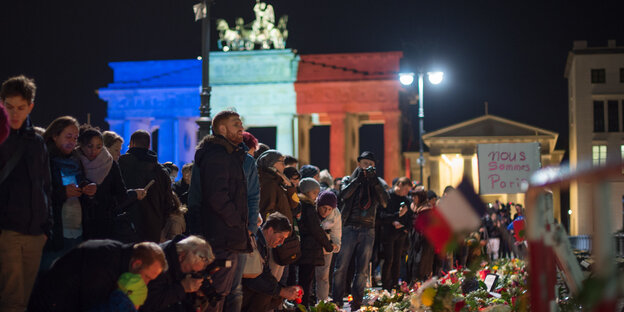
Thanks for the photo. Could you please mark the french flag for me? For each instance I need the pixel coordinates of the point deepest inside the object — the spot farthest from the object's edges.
(458, 212)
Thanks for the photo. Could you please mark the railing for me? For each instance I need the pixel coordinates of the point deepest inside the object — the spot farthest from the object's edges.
(582, 242)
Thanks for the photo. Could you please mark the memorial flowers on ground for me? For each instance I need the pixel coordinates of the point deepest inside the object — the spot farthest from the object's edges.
(460, 290)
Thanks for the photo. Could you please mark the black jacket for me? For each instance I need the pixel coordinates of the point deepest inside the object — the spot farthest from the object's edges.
(355, 192)
(165, 293)
(111, 197)
(390, 213)
(25, 194)
(83, 278)
(138, 167)
(181, 189)
(221, 205)
(313, 238)
(265, 283)
(59, 196)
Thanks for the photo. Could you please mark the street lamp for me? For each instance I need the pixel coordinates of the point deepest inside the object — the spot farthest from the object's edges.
(202, 11)
(407, 79)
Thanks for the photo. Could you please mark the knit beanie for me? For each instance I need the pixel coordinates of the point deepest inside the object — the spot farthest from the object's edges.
(268, 158)
(309, 171)
(308, 184)
(134, 287)
(327, 197)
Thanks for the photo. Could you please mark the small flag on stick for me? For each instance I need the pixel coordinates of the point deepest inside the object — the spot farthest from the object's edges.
(458, 212)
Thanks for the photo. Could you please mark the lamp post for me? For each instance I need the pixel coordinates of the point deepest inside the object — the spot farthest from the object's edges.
(407, 79)
(204, 120)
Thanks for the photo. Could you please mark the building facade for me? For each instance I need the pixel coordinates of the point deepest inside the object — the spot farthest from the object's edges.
(275, 91)
(596, 114)
(453, 153)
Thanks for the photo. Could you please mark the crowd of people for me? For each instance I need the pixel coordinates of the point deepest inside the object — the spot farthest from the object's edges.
(86, 228)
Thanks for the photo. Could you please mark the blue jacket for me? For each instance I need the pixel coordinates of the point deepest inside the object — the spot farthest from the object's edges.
(253, 189)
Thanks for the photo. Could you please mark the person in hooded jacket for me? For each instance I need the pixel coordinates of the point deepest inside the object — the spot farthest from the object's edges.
(138, 167)
(314, 240)
(218, 197)
(72, 192)
(111, 195)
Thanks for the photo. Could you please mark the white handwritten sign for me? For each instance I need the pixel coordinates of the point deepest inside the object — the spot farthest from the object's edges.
(504, 168)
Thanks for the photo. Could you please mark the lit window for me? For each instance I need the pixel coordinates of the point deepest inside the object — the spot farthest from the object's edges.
(622, 151)
(599, 155)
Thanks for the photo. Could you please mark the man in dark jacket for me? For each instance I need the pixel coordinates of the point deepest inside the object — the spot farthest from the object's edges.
(219, 202)
(24, 197)
(170, 290)
(396, 221)
(138, 167)
(264, 292)
(181, 186)
(361, 196)
(88, 274)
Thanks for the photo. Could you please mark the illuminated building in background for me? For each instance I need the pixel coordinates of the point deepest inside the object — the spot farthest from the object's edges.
(280, 96)
(453, 153)
(596, 114)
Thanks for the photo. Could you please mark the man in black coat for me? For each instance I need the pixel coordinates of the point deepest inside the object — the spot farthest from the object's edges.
(218, 196)
(170, 290)
(264, 292)
(361, 196)
(24, 197)
(396, 221)
(181, 186)
(86, 276)
(138, 167)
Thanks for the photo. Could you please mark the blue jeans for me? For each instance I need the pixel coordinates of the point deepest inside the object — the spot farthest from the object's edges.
(234, 301)
(358, 242)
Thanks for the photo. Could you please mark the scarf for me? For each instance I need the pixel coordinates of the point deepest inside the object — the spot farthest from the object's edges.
(96, 170)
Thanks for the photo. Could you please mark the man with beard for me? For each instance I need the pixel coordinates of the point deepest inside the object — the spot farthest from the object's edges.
(218, 197)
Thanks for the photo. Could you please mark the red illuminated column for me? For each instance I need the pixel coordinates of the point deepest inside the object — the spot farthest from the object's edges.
(392, 145)
(337, 144)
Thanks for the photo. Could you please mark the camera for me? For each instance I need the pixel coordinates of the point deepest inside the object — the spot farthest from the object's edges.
(212, 269)
(370, 170)
(210, 295)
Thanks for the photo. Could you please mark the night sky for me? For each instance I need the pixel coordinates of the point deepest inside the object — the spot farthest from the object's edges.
(509, 53)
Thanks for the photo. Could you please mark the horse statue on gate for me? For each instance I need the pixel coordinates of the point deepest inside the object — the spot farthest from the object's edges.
(228, 39)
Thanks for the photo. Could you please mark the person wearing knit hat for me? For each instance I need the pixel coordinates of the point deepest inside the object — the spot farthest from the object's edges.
(310, 171)
(133, 286)
(277, 193)
(314, 240)
(309, 187)
(327, 198)
(269, 158)
(331, 222)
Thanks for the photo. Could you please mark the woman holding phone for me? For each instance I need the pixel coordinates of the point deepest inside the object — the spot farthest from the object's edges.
(111, 196)
(72, 193)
